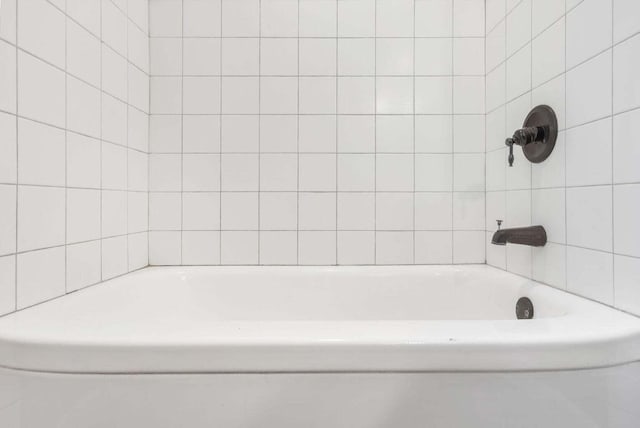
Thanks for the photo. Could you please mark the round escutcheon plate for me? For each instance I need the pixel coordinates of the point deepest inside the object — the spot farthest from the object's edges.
(541, 116)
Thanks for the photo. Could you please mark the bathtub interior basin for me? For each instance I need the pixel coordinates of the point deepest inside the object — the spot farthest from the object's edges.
(281, 319)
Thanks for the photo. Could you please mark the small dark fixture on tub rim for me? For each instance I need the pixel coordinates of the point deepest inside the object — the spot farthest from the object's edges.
(537, 136)
(524, 309)
(533, 236)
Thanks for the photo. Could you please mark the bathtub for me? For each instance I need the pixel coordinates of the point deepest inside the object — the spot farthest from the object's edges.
(323, 347)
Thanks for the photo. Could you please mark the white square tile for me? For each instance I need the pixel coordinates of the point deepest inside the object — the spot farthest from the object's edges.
(626, 213)
(114, 27)
(356, 18)
(548, 209)
(279, 18)
(41, 217)
(468, 247)
(240, 134)
(241, 18)
(8, 20)
(240, 57)
(165, 211)
(278, 172)
(41, 276)
(626, 68)
(317, 211)
(550, 265)
(201, 95)
(7, 284)
(166, 95)
(356, 134)
(317, 95)
(278, 248)
(394, 248)
(8, 148)
(434, 18)
(394, 134)
(468, 95)
(589, 154)
(41, 30)
(545, 13)
(41, 153)
(83, 161)
(41, 90)
(201, 56)
(356, 248)
(317, 172)
(626, 19)
(394, 57)
(356, 172)
(7, 219)
(83, 265)
(433, 95)
(394, 211)
(589, 91)
(356, 57)
(200, 134)
(165, 172)
(239, 211)
(627, 278)
(434, 134)
(317, 134)
(165, 18)
(626, 154)
(394, 18)
(495, 48)
(114, 167)
(589, 217)
(200, 248)
(394, 95)
(278, 133)
(433, 248)
(356, 95)
(589, 30)
(83, 108)
(468, 56)
(201, 172)
(433, 56)
(240, 172)
(590, 274)
(279, 211)
(317, 248)
(518, 27)
(114, 73)
(83, 53)
(202, 18)
(317, 57)
(465, 18)
(165, 248)
(83, 215)
(548, 54)
(318, 18)
(114, 213)
(468, 172)
(468, 134)
(468, 211)
(394, 172)
(278, 95)
(241, 95)
(201, 211)
(356, 211)
(278, 57)
(434, 211)
(434, 173)
(114, 120)
(239, 248)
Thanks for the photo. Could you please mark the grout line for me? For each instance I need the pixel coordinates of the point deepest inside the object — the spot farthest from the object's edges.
(17, 107)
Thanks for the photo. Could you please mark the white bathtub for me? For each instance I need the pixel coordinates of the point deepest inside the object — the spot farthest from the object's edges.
(318, 347)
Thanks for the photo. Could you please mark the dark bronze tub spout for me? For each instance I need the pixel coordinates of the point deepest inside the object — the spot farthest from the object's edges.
(534, 236)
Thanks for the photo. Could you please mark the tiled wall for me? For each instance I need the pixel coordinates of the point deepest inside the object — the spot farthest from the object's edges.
(73, 145)
(583, 59)
(317, 132)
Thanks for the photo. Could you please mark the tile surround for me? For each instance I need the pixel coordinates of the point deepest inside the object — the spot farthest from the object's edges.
(73, 146)
(580, 58)
(317, 128)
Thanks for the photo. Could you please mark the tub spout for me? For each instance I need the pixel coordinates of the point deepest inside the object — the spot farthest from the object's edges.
(533, 236)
